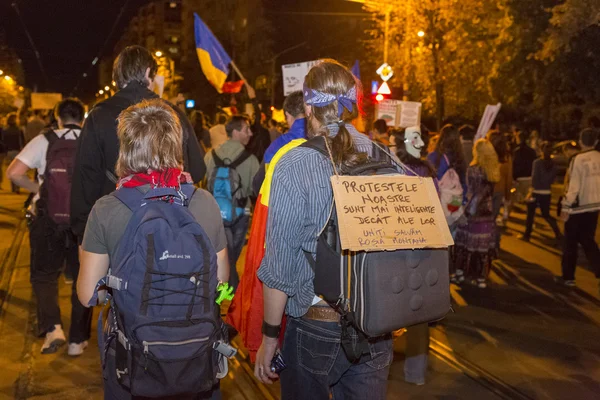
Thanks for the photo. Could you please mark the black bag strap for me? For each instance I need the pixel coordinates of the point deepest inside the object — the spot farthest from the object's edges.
(318, 144)
(234, 164)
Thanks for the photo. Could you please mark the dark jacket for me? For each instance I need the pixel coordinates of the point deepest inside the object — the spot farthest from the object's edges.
(523, 161)
(544, 174)
(260, 140)
(99, 149)
(13, 139)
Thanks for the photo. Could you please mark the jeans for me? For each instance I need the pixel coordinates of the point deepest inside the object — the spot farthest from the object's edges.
(50, 248)
(543, 201)
(580, 228)
(417, 347)
(236, 238)
(317, 366)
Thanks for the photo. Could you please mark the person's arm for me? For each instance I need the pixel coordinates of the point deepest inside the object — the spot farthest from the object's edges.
(93, 268)
(258, 179)
(17, 173)
(223, 265)
(572, 189)
(89, 174)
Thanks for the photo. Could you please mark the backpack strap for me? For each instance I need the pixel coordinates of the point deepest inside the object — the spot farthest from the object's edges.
(234, 164)
(131, 197)
(318, 144)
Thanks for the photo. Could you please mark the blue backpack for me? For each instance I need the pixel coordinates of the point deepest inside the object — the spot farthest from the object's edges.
(163, 279)
(225, 184)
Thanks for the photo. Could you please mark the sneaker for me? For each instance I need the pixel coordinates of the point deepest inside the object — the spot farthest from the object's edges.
(565, 282)
(54, 339)
(523, 238)
(76, 349)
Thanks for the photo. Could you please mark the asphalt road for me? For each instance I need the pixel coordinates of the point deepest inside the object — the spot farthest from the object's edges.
(521, 338)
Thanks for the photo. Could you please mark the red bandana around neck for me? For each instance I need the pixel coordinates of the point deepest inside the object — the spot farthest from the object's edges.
(171, 177)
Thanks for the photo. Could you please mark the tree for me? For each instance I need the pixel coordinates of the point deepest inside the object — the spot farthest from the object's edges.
(451, 64)
(568, 21)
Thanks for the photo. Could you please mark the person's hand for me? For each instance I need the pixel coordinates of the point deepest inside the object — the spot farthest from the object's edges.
(251, 92)
(564, 216)
(262, 368)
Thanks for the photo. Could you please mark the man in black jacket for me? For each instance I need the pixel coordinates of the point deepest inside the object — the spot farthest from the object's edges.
(94, 176)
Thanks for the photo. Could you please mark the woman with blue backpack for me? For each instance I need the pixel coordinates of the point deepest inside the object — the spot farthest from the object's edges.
(157, 248)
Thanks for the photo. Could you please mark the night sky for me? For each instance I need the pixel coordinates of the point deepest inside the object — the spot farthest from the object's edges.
(68, 35)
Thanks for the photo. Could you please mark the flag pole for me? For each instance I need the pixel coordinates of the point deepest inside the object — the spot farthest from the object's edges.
(237, 71)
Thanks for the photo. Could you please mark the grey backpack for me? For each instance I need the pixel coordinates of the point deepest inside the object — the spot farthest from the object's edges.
(377, 292)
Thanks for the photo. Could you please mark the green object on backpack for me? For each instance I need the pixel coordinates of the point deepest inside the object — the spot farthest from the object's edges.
(225, 292)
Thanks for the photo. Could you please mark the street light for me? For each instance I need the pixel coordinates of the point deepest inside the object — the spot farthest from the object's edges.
(106, 88)
(158, 53)
(421, 34)
(8, 78)
(101, 91)
(1, 72)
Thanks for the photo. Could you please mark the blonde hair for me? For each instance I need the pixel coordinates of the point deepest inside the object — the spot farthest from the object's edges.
(484, 155)
(150, 138)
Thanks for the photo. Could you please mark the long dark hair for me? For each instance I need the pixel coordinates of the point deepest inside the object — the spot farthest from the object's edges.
(329, 76)
(449, 144)
(408, 159)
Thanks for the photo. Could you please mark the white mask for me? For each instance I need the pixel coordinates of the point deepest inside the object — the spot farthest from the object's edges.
(413, 141)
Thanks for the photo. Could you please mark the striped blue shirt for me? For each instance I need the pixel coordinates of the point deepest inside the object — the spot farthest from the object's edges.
(299, 207)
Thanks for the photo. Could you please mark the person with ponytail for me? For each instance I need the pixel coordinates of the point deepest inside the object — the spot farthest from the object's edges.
(300, 202)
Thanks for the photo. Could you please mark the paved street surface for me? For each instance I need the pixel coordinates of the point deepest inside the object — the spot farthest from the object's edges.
(522, 338)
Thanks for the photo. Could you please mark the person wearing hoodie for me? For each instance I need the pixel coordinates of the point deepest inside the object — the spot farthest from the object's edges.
(134, 71)
(245, 165)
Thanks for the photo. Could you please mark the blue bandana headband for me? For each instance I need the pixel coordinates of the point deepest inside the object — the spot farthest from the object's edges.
(320, 99)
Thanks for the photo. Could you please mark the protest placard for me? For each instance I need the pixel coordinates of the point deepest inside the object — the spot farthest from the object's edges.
(387, 110)
(294, 74)
(410, 114)
(44, 101)
(487, 120)
(389, 212)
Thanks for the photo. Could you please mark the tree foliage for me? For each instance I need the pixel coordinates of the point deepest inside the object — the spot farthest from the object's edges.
(568, 21)
(465, 43)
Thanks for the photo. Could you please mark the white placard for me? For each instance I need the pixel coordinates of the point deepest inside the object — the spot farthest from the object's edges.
(45, 101)
(387, 110)
(489, 116)
(294, 74)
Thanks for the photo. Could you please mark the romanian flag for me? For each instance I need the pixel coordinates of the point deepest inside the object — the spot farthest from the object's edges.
(213, 58)
(246, 311)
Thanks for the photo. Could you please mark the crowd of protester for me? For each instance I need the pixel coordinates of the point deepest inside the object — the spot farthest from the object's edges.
(139, 144)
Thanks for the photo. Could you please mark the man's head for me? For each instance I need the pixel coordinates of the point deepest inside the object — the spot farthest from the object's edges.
(293, 106)
(466, 132)
(588, 138)
(134, 64)
(69, 111)
(380, 126)
(522, 137)
(221, 119)
(150, 138)
(238, 129)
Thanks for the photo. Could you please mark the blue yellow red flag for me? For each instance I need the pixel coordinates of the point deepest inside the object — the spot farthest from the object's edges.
(214, 60)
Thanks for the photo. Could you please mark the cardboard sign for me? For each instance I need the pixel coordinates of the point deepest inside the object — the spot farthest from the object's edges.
(389, 212)
(294, 74)
(489, 116)
(45, 101)
(387, 110)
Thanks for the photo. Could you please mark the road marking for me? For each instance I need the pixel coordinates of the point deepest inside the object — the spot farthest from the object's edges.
(489, 338)
(458, 299)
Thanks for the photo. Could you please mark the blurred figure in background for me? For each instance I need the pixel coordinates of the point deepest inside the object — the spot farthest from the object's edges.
(35, 124)
(475, 242)
(523, 159)
(274, 132)
(200, 129)
(502, 189)
(380, 132)
(218, 134)
(448, 154)
(467, 133)
(13, 142)
(543, 176)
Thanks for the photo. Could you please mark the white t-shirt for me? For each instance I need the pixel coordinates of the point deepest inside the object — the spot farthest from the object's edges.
(34, 153)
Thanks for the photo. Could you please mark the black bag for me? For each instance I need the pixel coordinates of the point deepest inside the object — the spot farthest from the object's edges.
(379, 292)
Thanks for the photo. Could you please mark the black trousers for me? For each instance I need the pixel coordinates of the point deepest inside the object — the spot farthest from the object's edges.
(543, 201)
(580, 229)
(50, 248)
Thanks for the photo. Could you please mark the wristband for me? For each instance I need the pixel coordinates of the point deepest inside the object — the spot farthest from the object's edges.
(271, 331)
